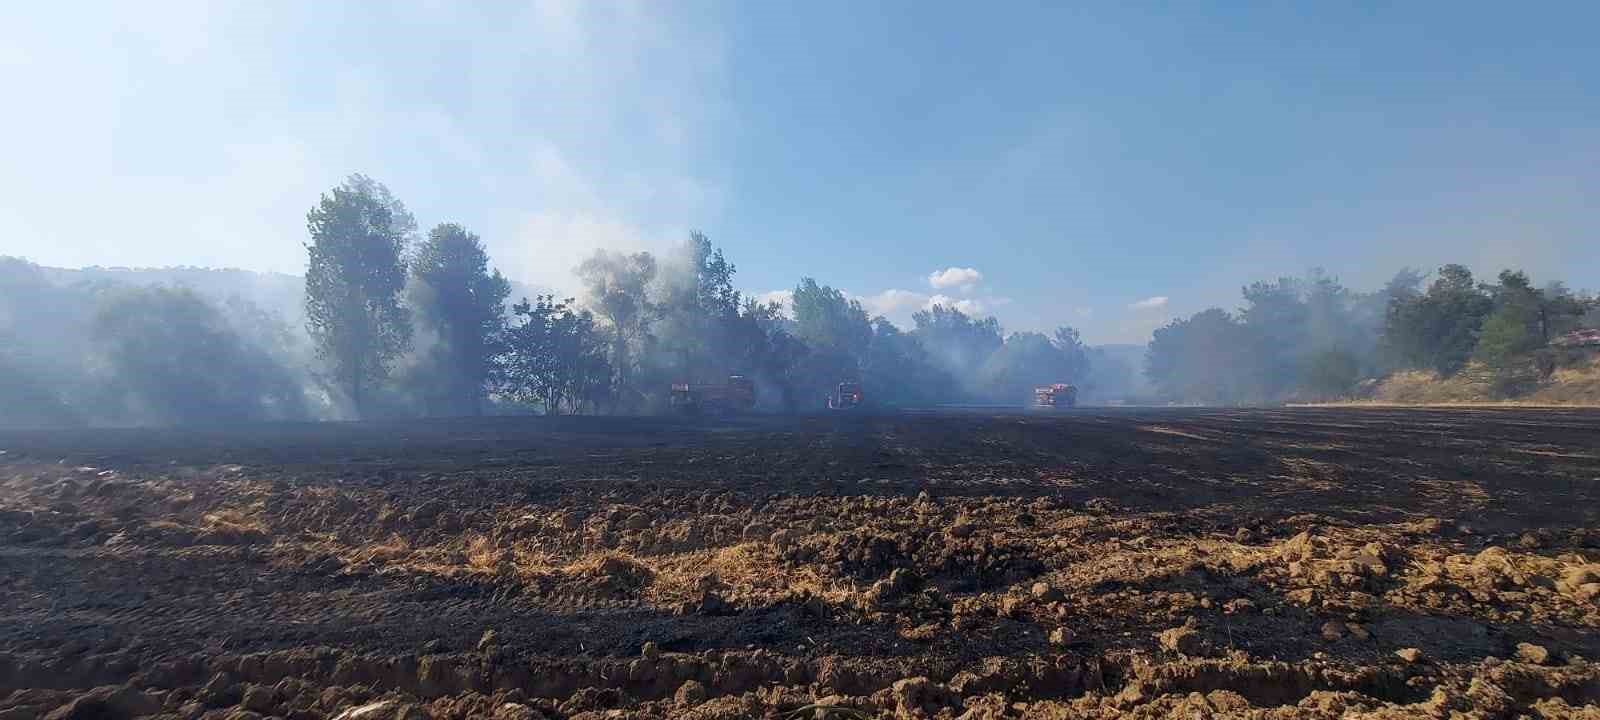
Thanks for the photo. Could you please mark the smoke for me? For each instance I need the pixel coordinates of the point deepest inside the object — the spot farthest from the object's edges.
(124, 347)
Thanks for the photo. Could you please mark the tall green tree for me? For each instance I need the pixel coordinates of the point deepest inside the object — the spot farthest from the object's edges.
(697, 307)
(1276, 316)
(553, 357)
(957, 342)
(1210, 357)
(462, 301)
(837, 332)
(898, 371)
(400, 218)
(617, 289)
(1027, 360)
(827, 320)
(1076, 357)
(354, 277)
(713, 278)
(1439, 329)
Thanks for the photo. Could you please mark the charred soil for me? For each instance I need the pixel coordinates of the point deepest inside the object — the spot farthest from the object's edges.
(1304, 563)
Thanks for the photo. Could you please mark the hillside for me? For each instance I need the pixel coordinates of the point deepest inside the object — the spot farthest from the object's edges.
(1578, 384)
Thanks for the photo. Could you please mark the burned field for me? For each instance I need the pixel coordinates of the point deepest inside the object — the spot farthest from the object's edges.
(1092, 563)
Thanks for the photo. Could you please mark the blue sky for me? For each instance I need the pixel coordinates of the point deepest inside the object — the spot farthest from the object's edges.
(1106, 166)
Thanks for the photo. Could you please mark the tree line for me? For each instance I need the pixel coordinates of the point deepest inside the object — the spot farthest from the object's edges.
(400, 323)
(430, 322)
(404, 323)
(1312, 338)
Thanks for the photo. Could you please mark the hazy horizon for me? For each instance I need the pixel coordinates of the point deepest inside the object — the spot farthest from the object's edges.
(1110, 169)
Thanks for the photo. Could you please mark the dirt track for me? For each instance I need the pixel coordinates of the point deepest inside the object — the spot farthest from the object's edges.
(960, 564)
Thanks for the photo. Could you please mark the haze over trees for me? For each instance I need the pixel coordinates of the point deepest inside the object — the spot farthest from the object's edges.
(1311, 338)
(354, 275)
(459, 301)
(400, 325)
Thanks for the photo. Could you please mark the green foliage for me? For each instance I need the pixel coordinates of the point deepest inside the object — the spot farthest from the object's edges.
(829, 322)
(1505, 336)
(1209, 358)
(400, 219)
(553, 358)
(460, 302)
(1332, 373)
(697, 318)
(354, 276)
(957, 342)
(617, 287)
(170, 356)
(714, 295)
(1438, 330)
(898, 371)
(1027, 360)
(1075, 356)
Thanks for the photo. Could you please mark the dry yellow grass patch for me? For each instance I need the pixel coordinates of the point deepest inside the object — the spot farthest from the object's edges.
(1567, 387)
(232, 520)
(396, 549)
(748, 571)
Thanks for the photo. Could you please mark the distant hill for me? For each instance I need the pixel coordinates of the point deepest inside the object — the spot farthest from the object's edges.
(279, 293)
(276, 292)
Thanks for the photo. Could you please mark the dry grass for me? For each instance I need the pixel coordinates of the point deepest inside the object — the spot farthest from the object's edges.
(1572, 386)
(482, 554)
(1577, 386)
(397, 549)
(232, 520)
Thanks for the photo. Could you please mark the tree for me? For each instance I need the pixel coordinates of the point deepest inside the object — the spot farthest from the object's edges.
(957, 342)
(827, 320)
(760, 343)
(354, 276)
(1561, 311)
(1027, 360)
(617, 288)
(1438, 329)
(1331, 373)
(1209, 358)
(898, 371)
(462, 301)
(1277, 315)
(713, 279)
(836, 331)
(168, 356)
(1076, 360)
(553, 358)
(1377, 312)
(400, 218)
(698, 305)
(1518, 325)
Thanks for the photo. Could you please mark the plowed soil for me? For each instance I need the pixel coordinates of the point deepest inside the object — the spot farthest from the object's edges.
(1312, 563)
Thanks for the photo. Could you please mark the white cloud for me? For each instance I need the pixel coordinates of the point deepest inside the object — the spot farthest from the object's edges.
(952, 277)
(969, 306)
(894, 302)
(899, 304)
(784, 298)
(1150, 303)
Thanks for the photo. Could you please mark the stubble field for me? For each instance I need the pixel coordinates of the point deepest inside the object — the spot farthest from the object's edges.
(1091, 563)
